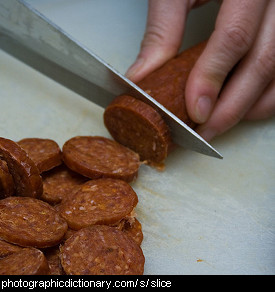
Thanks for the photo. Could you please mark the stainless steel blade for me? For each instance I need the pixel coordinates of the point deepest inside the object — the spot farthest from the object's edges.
(31, 37)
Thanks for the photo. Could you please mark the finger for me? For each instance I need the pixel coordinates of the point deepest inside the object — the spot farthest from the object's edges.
(236, 28)
(248, 83)
(163, 36)
(265, 107)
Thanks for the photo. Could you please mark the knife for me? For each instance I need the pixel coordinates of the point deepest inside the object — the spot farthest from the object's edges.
(32, 38)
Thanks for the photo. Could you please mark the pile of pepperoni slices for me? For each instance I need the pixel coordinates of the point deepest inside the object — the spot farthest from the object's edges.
(70, 210)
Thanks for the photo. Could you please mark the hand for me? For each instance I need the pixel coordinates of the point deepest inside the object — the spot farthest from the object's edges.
(234, 78)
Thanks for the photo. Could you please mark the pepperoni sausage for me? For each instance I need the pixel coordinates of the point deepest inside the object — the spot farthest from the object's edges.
(45, 153)
(30, 222)
(59, 182)
(101, 250)
(134, 125)
(100, 201)
(26, 176)
(6, 180)
(96, 157)
(28, 261)
(167, 84)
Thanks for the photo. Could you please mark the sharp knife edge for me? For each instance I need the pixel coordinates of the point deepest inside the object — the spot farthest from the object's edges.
(25, 33)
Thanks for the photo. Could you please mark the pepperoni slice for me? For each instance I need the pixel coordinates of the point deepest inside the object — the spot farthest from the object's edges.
(28, 261)
(100, 201)
(6, 180)
(59, 182)
(97, 157)
(101, 250)
(7, 248)
(45, 153)
(30, 222)
(26, 176)
(140, 127)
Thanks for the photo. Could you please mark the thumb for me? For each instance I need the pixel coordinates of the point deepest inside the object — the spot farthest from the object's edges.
(162, 38)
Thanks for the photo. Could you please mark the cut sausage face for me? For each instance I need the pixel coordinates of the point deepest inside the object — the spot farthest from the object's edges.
(30, 222)
(7, 248)
(100, 201)
(59, 182)
(138, 126)
(101, 250)
(28, 261)
(97, 157)
(45, 153)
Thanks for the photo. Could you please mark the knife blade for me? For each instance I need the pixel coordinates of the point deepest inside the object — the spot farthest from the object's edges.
(32, 38)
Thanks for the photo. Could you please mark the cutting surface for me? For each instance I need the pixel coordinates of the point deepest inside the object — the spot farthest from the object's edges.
(199, 216)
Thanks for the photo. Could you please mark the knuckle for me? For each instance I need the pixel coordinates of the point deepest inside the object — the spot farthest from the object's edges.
(265, 63)
(231, 118)
(237, 38)
(155, 34)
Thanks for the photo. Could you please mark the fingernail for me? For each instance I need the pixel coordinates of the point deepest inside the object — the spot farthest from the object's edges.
(134, 68)
(203, 108)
